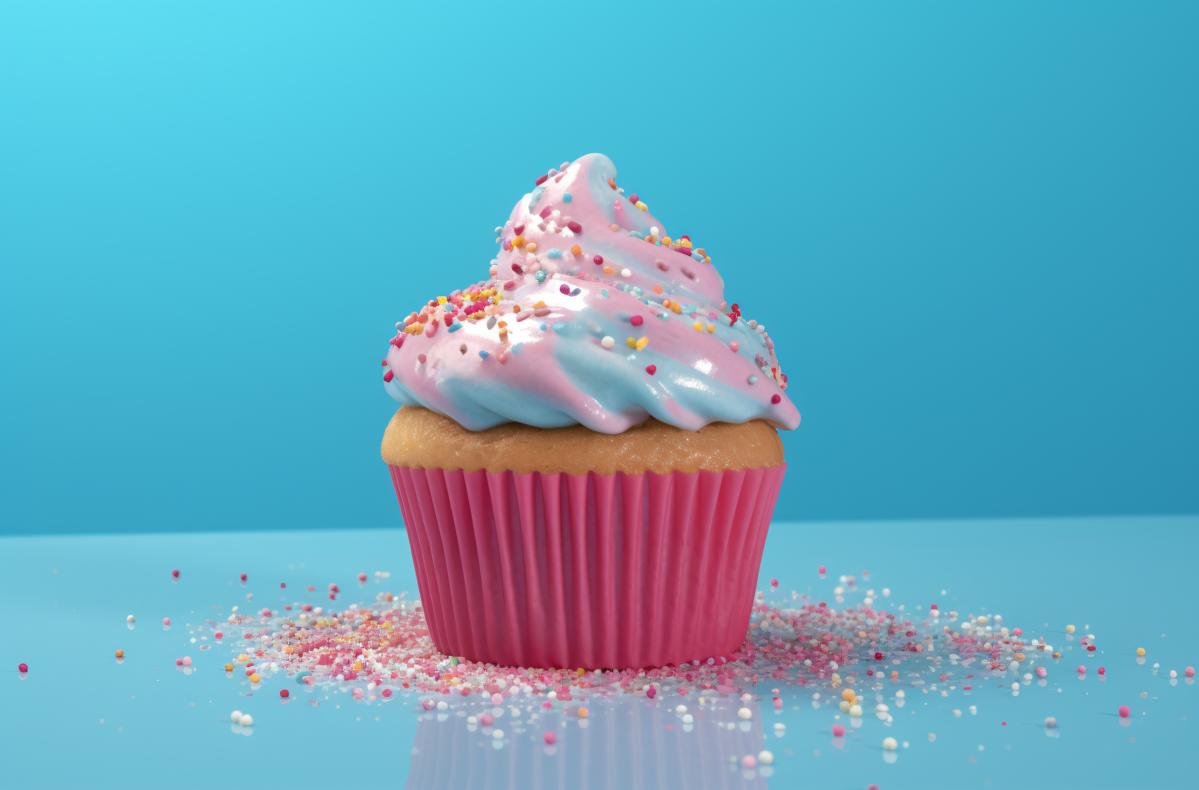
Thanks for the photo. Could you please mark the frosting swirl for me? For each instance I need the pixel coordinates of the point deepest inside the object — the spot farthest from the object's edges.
(592, 315)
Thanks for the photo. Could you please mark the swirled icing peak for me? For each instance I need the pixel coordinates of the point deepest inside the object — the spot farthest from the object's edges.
(594, 315)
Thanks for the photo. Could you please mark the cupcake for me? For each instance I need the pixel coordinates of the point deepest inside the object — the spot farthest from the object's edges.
(586, 453)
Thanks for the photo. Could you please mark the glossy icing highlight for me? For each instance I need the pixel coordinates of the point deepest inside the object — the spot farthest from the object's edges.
(592, 315)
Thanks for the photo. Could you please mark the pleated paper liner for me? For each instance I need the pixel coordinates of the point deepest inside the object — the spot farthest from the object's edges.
(594, 571)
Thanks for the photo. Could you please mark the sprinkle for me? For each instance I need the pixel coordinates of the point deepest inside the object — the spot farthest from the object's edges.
(890, 744)
(1124, 711)
(626, 272)
(575, 227)
(284, 693)
(550, 738)
(541, 180)
(119, 654)
(636, 320)
(752, 379)
(166, 622)
(765, 757)
(130, 619)
(246, 720)
(776, 398)
(1050, 723)
(607, 342)
(235, 717)
(598, 260)
(1140, 652)
(22, 667)
(745, 714)
(651, 369)
(564, 288)
(389, 375)
(566, 198)
(175, 574)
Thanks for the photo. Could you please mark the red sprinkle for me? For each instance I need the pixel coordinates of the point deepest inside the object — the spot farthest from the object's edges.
(636, 320)
(598, 260)
(776, 398)
(542, 180)
(633, 198)
(389, 375)
(243, 578)
(22, 667)
(564, 288)
(175, 574)
(651, 369)
(284, 693)
(575, 227)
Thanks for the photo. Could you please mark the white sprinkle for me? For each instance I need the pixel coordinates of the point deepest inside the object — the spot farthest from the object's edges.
(247, 720)
(745, 714)
(235, 717)
(765, 757)
(890, 744)
(1050, 722)
(130, 619)
(626, 272)
(607, 342)
(497, 734)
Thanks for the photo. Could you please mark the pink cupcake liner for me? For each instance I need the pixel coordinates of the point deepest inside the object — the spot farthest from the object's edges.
(594, 571)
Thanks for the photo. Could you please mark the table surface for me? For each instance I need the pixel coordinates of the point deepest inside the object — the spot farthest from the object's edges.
(79, 718)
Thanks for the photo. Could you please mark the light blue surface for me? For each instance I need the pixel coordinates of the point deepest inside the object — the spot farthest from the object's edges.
(81, 720)
(968, 226)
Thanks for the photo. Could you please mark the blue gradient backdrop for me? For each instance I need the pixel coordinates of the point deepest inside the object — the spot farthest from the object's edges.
(971, 228)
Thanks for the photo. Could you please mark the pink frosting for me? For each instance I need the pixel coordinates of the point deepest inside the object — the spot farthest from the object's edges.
(592, 315)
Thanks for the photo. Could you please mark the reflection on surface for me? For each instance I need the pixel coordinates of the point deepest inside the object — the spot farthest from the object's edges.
(624, 744)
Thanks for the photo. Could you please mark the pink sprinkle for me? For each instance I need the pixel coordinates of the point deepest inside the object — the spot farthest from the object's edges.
(1189, 672)
(284, 693)
(427, 704)
(575, 227)
(175, 574)
(651, 369)
(487, 720)
(166, 622)
(421, 358)
(1124, 711)
(243, 578)
(636, 320)
(821, 570)
(1042, 672)
(386, 693)
(651, 692)
(497, 699)
(1102, 670)
(564, 288)
(748, 761)
(187, 661)
(838, 731)
(549, 738)
(1082, 670)
(218, 635)
(22, 667)
(362, 578)
(358, 693)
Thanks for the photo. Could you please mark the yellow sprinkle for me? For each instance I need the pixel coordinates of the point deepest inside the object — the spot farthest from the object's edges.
(848, 695)
(699, 327)
(442, 300)
(711, 328)
(357, 666)
(642, 342)
(255, 678)
(631, 342)
(582, 713)
(1140, 652)
(641, 205)
(228, 667)
(531, 246)
(519, 241)
(1070, 629)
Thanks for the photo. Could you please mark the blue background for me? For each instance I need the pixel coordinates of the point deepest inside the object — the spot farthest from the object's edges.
(971, 229)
